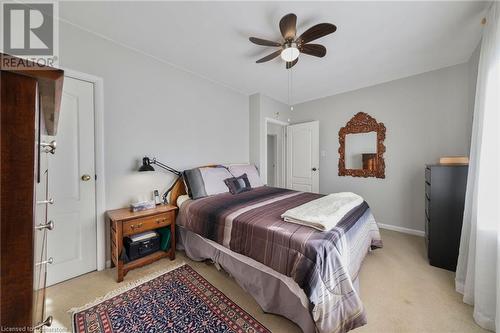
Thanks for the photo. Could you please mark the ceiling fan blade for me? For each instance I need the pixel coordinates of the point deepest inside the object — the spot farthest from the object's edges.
(288, 26)
(315, 32)
(313, 49)
(269, 57)
(290, 64)
(263, 42)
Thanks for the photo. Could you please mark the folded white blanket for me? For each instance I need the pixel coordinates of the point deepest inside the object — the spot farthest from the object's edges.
(323, 213)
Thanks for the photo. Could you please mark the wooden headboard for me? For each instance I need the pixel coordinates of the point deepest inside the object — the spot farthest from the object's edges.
(180, 189)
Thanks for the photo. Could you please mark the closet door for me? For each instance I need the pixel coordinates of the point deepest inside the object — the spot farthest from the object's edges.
(73, 242)
(303, 157)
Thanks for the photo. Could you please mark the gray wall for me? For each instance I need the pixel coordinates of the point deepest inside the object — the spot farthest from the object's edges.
(473, 65)
(151, 108)
(426, 116)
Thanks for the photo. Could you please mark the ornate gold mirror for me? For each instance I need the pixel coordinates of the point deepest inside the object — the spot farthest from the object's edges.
(362, 147)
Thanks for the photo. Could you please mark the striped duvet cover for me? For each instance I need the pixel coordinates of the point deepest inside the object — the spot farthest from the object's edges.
(323, 264)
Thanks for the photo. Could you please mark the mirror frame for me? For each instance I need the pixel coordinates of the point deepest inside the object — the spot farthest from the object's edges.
(363, 123)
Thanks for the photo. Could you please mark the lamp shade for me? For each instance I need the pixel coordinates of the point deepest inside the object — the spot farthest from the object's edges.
(146, 165)
(290, 53)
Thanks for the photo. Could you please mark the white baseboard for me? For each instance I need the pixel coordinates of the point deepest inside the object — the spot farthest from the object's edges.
(402, 229)
(108, 263)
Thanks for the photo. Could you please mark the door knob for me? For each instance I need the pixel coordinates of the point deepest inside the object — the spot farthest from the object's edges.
(314, 169)
(86, 178)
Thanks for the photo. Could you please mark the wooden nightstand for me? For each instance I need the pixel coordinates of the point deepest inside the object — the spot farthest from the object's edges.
(125, 223)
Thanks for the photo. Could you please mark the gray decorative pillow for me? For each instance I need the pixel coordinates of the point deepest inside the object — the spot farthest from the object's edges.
(238, 184)
(202, 182)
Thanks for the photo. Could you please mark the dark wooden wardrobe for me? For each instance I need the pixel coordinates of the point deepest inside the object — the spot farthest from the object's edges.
(444, 207)
(29, 107)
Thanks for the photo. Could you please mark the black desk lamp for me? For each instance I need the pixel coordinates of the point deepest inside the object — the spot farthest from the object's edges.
(146, 166)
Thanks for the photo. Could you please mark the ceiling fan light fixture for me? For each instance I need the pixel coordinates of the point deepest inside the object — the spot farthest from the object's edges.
(290, 52)
(290, 46)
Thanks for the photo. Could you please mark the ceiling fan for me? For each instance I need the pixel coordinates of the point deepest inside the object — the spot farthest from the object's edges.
(292, 46)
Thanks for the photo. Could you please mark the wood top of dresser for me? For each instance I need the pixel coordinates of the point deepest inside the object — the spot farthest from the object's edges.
(124, 214)
(447, 165)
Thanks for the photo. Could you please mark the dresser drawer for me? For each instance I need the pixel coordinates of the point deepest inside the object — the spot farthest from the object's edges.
(427, 234)
(40, 242)
(147, 223)
(39, 277)
(427, 208)
(428, 190)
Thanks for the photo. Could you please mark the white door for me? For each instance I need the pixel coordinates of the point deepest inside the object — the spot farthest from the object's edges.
(72, 243)
(303, 157)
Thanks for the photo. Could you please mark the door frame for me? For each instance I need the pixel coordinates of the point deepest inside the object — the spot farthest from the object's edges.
(100, 190)
(283, 124)
(275, 169)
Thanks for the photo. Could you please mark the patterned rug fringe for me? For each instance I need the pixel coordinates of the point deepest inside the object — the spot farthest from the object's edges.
(125, 288)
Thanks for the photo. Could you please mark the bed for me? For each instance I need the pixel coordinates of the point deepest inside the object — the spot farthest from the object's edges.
(305, 275)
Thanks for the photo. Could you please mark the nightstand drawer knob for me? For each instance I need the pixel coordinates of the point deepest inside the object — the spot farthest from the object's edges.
(136, 226)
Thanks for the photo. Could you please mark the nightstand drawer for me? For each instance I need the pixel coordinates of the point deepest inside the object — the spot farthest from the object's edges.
(147, 223)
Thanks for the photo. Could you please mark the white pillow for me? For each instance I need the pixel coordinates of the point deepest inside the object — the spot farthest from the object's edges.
(251, 171)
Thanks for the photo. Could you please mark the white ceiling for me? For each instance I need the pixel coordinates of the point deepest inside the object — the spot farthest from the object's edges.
(375, 41)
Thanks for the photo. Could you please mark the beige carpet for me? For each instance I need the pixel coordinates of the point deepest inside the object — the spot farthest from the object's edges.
(401, 291)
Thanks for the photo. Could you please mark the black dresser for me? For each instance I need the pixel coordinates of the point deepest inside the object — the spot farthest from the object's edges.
(444, 207)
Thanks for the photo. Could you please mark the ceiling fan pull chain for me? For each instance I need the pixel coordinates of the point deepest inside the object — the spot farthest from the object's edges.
(291, 85)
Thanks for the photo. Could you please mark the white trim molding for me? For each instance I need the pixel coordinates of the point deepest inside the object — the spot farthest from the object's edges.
(100, 194)
(276, 121)
(402, 230)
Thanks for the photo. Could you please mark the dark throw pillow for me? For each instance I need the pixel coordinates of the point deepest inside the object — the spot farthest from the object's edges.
(238, 184)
